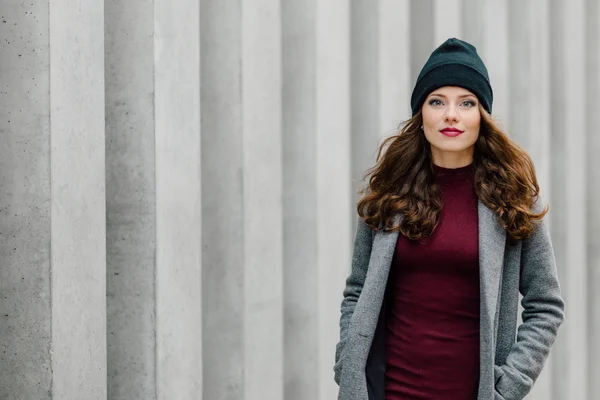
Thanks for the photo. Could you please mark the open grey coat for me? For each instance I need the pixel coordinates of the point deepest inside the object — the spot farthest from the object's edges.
(510, 360)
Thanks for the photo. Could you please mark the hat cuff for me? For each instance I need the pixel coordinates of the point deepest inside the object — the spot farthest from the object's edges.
(452, 75)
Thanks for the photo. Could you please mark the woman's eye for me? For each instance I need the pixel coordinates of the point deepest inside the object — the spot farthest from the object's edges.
(468, 103)
(435, 102)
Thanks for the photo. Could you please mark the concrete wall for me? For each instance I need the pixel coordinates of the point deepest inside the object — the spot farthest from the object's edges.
(52, 220)
(592, 110)
(130, 199)
(178, 179)
(241, 195)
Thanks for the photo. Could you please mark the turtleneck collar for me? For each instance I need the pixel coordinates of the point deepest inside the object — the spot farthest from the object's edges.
(448, 175)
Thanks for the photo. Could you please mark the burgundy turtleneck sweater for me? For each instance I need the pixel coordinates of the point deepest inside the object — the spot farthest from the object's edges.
(432, 324)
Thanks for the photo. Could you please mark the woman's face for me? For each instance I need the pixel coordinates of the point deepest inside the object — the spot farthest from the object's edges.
(451, 121)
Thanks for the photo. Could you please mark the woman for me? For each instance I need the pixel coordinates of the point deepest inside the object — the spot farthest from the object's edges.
(451, 228)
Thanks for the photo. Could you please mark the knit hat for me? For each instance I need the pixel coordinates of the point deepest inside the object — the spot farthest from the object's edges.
(454, 63)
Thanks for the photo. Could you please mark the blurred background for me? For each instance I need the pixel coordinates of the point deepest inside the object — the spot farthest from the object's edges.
(178, 182)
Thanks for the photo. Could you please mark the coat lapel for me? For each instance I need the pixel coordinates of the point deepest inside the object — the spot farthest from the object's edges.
(492, 240)
(382, 253)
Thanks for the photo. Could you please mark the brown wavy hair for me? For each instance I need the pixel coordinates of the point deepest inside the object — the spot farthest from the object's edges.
(403, 182)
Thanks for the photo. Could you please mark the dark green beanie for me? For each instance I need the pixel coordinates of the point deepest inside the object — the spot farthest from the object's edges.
(454, 63)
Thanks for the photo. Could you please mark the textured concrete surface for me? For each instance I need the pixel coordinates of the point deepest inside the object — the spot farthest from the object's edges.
(447, 20)
(333, 160)
(222, 203)
(473, 29)
(153, 200)
(77, 195)
(495, 49)
(53, 220)
(593, 192)
(316, 204)
(262, 200)
(241, 185)
(394, 67)
(365, 88)
(300, 243)
(25, 202)
(569, 175)
(178, 205)
(422, 37)
(130, 200)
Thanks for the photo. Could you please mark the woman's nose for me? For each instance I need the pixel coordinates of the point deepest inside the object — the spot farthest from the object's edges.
(451, 114)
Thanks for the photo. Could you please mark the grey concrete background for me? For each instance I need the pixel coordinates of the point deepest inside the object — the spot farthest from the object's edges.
(77, 201)
(25, 207)
(178, 182)
(130, 199)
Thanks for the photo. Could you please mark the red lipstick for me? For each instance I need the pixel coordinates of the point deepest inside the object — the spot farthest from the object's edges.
(451, 132)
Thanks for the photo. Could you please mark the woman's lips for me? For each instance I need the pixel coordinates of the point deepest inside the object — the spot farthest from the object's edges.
(451, 132)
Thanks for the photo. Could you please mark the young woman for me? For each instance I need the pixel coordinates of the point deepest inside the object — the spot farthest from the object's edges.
(451, 230)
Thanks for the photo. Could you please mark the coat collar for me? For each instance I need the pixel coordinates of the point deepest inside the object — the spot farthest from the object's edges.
(492, 240)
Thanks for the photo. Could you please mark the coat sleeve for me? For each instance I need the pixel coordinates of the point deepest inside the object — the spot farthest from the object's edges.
(543, 313)
(354, 284)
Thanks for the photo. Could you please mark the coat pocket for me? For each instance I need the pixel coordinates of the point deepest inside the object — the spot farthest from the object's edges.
(498, 376)
(506, 385)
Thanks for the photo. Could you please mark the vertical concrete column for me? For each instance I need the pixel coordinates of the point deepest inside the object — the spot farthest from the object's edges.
(153, 199)
(300, 243)
(393, 43)
(569, 179)
(495, 53)
(538, 141)
(242, 205)
(52, 218)
(77, 195)
(593, 193)
(25, 202)
(364, 87)
(519, 71)
(262, 199)
(529, 84)
(333, 145)
(422, 35)
(447, 20)
(473, 28)
(380, 78)
(178, 207)
(317, 190)
(130, 200)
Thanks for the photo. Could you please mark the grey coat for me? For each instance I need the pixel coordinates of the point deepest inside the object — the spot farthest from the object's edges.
(509, 363)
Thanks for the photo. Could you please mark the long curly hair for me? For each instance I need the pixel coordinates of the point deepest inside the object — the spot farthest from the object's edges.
(403, 182)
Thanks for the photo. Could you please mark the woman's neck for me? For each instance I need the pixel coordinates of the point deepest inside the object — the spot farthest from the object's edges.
(451, 160)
